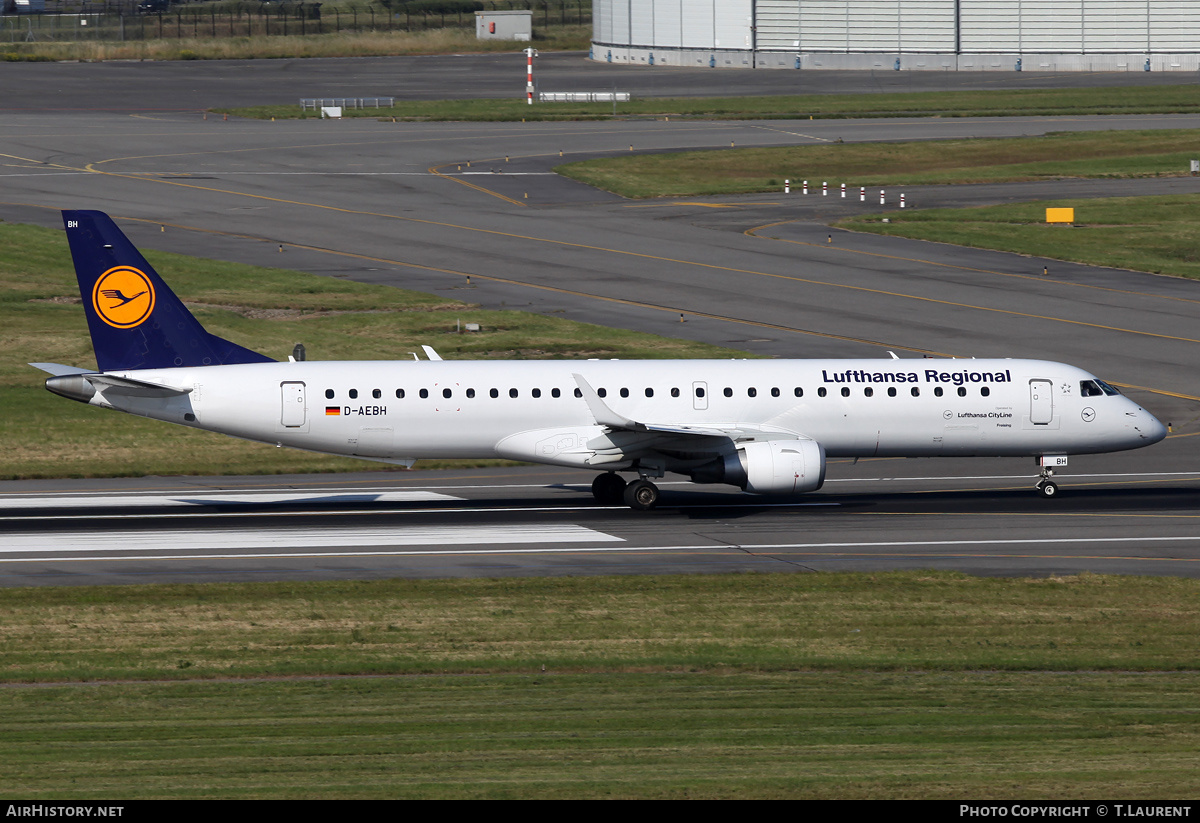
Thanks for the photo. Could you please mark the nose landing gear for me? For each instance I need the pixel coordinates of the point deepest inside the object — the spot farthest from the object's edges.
(1046, 488)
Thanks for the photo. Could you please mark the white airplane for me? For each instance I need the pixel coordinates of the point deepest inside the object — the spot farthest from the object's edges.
(766, 426)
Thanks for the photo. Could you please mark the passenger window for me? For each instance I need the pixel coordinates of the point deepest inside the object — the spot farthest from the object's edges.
(845, 391)
(536, 392)
(556, 393)
(470, 393)
(353, 394)
(494, 393)
(985, 391)
(424, 393)
(399, 394)
(329, 394)
(649, 392)
(602, 392)
(775, 392)
(376, 393)
(891, 391)
(728, 392)
(868, 392)
(752, 392)
(579, 392)
(674, 392)
(624, 392)
(699, 392)
(799, 392)
(962, 391)
(937, 391)
(914, 391)
(512, 392)
(446, 393)
(821, 392)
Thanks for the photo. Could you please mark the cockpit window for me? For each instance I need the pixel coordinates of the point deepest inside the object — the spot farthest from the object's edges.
(1107, 389)
(1095, 388)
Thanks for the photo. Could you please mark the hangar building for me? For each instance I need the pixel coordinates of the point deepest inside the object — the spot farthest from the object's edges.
(929, 35)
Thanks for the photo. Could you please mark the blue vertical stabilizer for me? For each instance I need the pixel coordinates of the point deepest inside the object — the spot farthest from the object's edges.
(136, 321)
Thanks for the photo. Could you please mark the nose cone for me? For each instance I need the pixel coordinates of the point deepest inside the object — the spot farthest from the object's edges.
(1148, 427)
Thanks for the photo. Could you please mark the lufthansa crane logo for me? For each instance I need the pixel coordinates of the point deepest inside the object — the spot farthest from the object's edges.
(123, 297)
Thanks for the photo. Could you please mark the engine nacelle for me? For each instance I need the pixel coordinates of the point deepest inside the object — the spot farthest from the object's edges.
(777, 467)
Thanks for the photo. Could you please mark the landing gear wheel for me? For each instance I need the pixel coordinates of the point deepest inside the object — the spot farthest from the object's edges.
(641, 495)
(609, 489)
(1047, 489)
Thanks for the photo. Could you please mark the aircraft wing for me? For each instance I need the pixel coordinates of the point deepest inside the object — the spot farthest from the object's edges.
(613, 421)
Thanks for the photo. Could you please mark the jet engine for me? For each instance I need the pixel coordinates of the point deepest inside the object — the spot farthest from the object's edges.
(769, 467)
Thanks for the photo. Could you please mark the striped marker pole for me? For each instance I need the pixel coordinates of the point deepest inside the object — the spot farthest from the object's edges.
(881, 197)
(843, 191)
(862, 194)
(901, 199)
(805, 187)
(529, 76)
(825, 189)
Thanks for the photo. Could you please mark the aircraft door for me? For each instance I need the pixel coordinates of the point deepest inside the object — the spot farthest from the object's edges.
(292, 404)
(700, 395)
(1041, 402)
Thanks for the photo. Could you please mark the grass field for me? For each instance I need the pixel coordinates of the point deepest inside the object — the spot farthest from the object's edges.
(1156, 234)
(177, 42)
(896, 685)
(735, 171)
(999, 103)
(268, 310)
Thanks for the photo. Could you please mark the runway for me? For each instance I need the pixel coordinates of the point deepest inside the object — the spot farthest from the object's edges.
(1118, 514)
(399, 204)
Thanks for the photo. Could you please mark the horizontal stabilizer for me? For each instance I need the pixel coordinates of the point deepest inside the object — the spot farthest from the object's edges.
(109, 384)
(59, 369)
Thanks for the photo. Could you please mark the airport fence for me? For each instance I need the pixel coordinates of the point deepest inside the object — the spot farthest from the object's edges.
(120, 21)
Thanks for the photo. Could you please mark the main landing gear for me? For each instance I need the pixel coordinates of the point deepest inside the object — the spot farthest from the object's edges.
(610, 489)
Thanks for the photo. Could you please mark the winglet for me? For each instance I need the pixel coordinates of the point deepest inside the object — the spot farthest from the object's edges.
(600, 410)
(135, 320)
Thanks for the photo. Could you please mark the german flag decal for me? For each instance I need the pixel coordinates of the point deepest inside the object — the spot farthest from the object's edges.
(333, 411)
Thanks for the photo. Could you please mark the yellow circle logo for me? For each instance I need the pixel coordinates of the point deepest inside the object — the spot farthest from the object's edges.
(123, 297)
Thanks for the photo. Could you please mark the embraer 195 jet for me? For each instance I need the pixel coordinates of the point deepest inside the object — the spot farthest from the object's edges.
(766, 427)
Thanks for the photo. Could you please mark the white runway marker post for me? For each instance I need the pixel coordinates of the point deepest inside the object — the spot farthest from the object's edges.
(529, 55)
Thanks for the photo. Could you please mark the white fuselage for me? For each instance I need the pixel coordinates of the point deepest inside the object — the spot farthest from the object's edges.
(533, 411)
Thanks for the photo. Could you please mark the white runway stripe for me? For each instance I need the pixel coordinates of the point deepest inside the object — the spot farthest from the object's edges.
(217, 499)
(183, 540)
